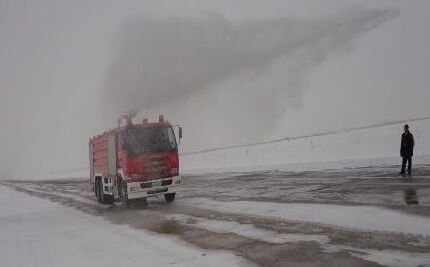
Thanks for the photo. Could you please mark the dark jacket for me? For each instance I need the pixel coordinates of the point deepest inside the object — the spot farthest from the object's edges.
(407, 145)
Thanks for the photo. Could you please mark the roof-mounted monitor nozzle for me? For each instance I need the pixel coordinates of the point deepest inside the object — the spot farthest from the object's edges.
(161, 118)
(128, 117)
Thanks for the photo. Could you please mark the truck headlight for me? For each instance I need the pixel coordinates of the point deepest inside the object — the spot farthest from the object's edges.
(174, 171)
(133, 188)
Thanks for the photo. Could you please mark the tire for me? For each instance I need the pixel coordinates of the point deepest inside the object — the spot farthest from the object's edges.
(169, 197)
(99, 192)
(109, 199)
(124, 197)
(105, 198)
(101, 197)
(95, 189)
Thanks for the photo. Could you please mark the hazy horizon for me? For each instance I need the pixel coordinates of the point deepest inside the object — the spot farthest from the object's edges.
(227, 73)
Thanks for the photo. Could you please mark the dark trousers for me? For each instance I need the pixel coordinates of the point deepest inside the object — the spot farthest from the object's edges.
(409, 160)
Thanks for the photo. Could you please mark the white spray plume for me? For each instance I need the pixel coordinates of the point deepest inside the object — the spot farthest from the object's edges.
(255, 69)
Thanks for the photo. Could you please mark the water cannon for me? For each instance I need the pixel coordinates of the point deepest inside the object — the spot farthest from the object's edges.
(128, 116)
(161, 119)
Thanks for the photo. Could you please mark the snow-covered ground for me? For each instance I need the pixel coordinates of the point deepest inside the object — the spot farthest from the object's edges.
(374, 146)
(383, 257)
(37, 232)
(307, 215)
(365, 218)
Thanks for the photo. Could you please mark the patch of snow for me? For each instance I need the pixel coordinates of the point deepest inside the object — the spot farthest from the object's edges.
(366, 218)
(392, 258)
(37, 232)
(248, 230)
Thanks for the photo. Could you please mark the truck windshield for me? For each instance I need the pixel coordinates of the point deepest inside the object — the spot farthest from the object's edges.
(144, 140)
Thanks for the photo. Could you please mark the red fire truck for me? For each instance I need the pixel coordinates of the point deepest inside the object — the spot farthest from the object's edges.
(135, 161)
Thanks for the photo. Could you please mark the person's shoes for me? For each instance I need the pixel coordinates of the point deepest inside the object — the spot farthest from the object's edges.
(402, 172)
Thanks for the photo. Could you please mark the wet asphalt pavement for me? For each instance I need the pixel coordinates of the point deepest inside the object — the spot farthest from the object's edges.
(380, 186)
(369, 186)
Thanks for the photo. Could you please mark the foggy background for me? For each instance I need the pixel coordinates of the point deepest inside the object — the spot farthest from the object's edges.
(228, 72)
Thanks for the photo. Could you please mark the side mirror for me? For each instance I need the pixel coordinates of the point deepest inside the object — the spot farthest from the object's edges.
(180, 132)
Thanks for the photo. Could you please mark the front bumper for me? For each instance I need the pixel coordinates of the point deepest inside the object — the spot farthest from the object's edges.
(153, 188)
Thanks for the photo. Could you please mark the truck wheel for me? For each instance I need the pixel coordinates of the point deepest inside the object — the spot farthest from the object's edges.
(95, 189)
(105, 198)
(101, 194)
(99, 191)
(102, 197)
(169, 197)
(124, 197)
(109, 199)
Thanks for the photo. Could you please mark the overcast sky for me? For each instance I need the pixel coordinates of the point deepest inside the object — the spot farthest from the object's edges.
(228, 71)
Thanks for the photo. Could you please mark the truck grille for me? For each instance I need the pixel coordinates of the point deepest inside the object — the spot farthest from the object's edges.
(148, 176)
(157, 191)
(146, 185)
(149, 184)
(166, 182)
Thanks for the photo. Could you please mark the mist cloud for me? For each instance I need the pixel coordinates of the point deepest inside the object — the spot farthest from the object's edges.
(254, 70)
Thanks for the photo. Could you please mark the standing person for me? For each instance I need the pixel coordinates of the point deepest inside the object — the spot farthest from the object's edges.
(407, 149)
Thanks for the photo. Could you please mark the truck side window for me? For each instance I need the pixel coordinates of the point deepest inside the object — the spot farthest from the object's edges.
(171, 138)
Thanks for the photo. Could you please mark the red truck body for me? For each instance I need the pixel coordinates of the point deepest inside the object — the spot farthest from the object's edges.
(135, 161)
